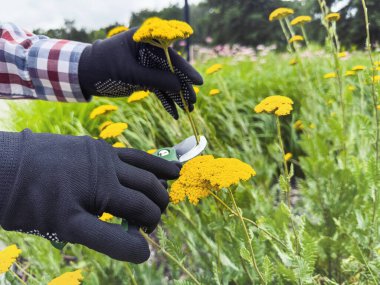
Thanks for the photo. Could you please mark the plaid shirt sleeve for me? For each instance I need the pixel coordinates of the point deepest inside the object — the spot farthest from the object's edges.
(36, 67)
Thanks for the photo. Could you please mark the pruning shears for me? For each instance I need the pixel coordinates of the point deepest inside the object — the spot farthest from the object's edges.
(182, 152)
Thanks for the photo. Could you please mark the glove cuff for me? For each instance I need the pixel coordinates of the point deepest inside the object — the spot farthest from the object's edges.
(10, 155)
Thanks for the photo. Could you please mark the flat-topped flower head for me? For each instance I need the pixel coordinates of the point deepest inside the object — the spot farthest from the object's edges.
(137, 96)
(330, 75)
(204, 174)
(119, 145)
(277, 104)
(342, 54)
(116, 30)
(162, 33)
(280, 13)
(350, 73)
(68, 278)
(214, 68)
(106, 217)
(332, 17)
(102, 110)
(114, 130)
(104, 125)
(358, 68)
(296, 38)
(300, 20)
(214, 92)
(293, 61)
(7, 257)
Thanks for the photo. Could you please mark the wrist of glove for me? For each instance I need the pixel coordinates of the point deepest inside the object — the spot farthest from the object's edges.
(56, 187)
(118, 66)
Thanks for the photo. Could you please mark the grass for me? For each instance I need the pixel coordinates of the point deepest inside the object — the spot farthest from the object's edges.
(332, 210)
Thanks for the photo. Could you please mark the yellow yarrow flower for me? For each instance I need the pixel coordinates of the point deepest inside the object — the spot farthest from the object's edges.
(300, 20)
(68, 278)
(279, 105)
(288, 156)
(376, 63)
(351, 88)
(119, 145)
(106, 217)
(214, 92)
(376, 79)
(102, 110)
(104, 125)
(330, 75)
(378, 107)
(205, 173)
(280, 13)
(358, 68)
(161, 32)
(214, 68)
(298, 125)
(342, 54)
(296, 38)
(7, 257)
(151, 151)
(196, 89)
(137, 96)
(332, 17)
(116, 30)
(113, 130)
(350, 73)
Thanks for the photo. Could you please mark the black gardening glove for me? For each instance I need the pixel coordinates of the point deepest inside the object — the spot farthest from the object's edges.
(56, 186)
(118, 66)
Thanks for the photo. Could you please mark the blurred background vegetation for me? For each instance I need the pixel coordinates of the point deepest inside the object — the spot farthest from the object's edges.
(245, 22)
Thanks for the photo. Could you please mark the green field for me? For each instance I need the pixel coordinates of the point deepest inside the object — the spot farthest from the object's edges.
(329, 235)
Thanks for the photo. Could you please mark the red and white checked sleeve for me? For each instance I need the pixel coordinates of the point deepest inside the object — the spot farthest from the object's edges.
(37, 67)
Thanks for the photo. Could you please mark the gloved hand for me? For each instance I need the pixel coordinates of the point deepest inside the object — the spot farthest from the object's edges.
(118, 66)
(56, 186)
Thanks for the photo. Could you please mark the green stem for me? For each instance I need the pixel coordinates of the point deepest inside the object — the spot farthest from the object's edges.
(167, 254)
(131, 275)
(305, 35)
(247, 238)
(18, 277)
(185, 105)
(19, 267)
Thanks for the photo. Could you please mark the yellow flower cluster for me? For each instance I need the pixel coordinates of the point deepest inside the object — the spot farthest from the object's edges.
(116, 30)
(300, 20)
(104, 125)
(279, 105)
(106, 217)
(214, 92)
(350, 73)
(296, 38)
(358, 68)
(376, 79)
(332, 17)
(118, 145)
(214, 68)
(280, 13)
(68, 278)
(342, 54)
(196, 89)
(298, 125)
(7, 257)
(151, 151)
(162, 32)
(102, 110)
(288, 156)
(137, 96)
(293, 61)
(113, 130)
(330, 75)
(205, 173)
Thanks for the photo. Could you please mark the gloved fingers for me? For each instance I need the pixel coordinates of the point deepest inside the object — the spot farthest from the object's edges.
(145, 182)
(133, 206)
(168, 103)
(164, 183)
(155, 78)
(161, 168)
(185, 67)
(109, 239)
(188, 94)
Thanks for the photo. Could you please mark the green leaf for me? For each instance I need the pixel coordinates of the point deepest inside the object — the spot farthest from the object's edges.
(244, 253)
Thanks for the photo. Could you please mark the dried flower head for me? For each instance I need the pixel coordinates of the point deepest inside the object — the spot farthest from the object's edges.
(214, 68)
(106, 217)
(113, 130)
(330, 75)
(137, 96)
(279, 105)
(332, 17)
(162, 33)
(358, 68)
(7, 257)
(203, 174)
(68, 278)
(116, 30)
(214, 92)
(300, 20)
(280, 13)
(102, 110)
(296, 38)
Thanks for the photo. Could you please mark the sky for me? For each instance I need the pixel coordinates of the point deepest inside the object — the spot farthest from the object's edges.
(89, 14)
